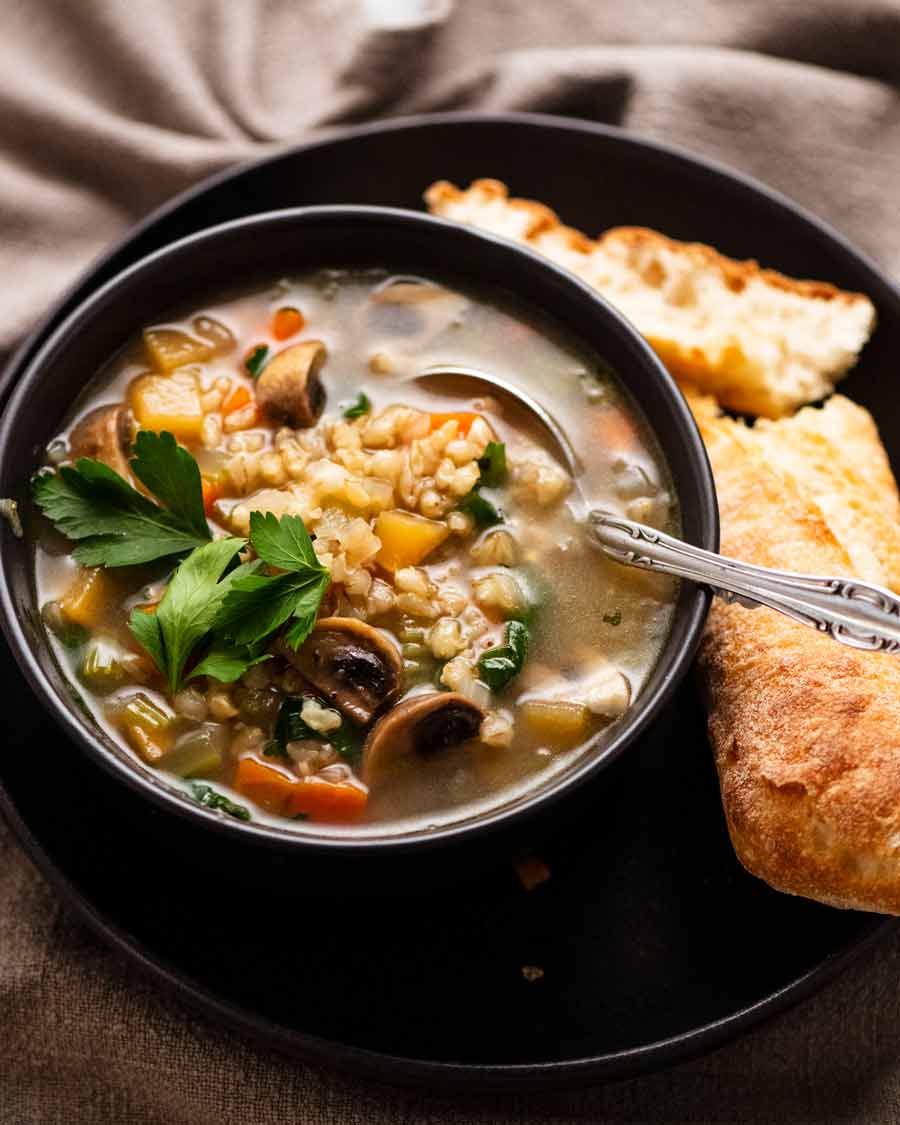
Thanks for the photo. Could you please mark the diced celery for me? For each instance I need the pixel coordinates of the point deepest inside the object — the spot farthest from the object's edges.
(198, 754)
(147, 727)
(102, 669)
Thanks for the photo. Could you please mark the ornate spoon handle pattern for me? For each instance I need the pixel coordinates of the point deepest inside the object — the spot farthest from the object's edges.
(852, 612)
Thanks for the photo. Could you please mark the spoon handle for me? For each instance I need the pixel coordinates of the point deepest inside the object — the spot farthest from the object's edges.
(852, 612)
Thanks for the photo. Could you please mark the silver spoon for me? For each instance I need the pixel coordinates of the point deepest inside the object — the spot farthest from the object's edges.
(853, 612)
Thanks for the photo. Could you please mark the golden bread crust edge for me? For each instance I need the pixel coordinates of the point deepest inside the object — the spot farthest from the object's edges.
(805, 733)
(542, 220)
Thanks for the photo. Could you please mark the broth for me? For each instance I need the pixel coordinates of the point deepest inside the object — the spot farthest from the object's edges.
(408, 470)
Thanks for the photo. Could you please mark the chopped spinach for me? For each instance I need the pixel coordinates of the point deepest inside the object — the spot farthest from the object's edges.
(257, 360)
(498, 666)
(290, 727)
(208, 797)
(482, 511)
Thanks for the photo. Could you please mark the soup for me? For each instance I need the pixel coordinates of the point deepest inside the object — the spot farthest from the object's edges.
(308, 589)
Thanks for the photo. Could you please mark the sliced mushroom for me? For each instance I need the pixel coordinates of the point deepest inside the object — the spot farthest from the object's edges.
(289, 389)
(355, 667)
(105, 435)
(423, 725)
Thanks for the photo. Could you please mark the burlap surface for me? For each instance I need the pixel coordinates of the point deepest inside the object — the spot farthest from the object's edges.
(107, 109)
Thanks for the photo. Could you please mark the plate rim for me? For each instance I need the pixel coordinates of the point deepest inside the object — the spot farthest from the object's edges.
(366, 1062)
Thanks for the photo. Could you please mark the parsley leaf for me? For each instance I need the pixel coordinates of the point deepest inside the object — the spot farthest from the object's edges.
(207, 796)
(493, 464)
(257, 360)
(146, 631)
(360, 407)
(227, 663)
(189, 606)
(258, 604)
(284, 543)
(173, 476)
(499, 665)
(114, 523)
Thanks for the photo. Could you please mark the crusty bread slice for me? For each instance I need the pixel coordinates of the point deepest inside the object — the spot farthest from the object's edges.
(760, 342)
(835, 458)
(806, 732)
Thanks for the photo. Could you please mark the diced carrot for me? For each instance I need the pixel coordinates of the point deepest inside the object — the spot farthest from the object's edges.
(287, 322)
(335, 802)
(464, 420)
(613, 428)
(210, 494)
(239, 397)
(265, 785)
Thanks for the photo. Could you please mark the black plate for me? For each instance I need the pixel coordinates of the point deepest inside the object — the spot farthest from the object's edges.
(654, 943)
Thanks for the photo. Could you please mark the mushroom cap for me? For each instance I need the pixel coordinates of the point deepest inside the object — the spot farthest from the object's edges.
(104, 434)
(289, 388)
(351, 664)
(423, 725)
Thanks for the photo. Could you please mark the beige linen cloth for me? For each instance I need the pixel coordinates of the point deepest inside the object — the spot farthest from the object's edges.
(106, 110)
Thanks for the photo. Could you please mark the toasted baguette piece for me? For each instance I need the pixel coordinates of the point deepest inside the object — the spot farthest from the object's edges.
(805, 732)
(760, 342)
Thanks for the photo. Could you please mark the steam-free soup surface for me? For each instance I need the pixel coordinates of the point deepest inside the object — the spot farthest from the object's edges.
(418, 628)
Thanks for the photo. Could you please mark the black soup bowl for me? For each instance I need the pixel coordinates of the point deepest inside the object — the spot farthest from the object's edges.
(263, 248)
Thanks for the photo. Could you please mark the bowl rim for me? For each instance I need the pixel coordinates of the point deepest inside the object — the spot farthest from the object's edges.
(492, 820)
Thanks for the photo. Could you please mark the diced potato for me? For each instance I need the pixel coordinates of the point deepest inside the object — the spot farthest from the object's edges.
(88, 596)
(406, 538)
(168, 348)
(147, 727)
(168, 402)
(555, 719)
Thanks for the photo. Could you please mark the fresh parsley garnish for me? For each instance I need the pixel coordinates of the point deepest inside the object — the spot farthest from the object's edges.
(257, 360)
(189, 607)
(207, 796)
(258, 604)
(360, 407)
(499, 665)
(290, 727)
(613, 618)
(492, 464)
(116, 525)
(481, 510)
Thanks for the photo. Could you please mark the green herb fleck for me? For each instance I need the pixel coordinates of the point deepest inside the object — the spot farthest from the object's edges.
(257, 360)
(493, 465)
(613, 618)
(360, 407)
(498, 666)
(208, 797)
(482, 511)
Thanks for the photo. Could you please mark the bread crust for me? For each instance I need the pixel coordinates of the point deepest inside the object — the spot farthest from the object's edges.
(805, 732)
(762, 342)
